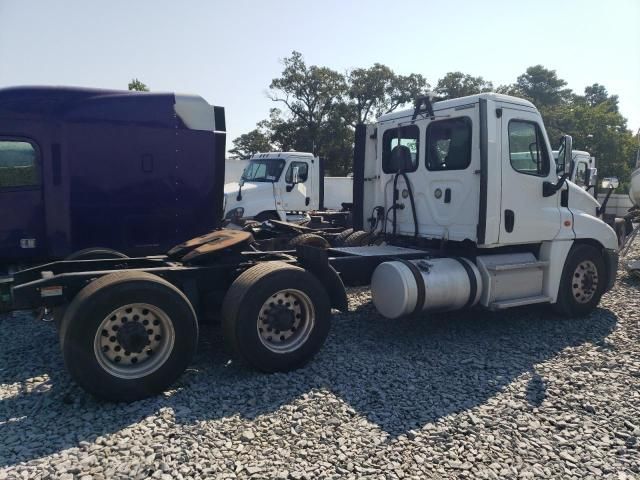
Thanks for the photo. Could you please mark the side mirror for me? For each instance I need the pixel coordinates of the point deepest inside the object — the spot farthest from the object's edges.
(295, 175)
(565, 155)
(610, 182)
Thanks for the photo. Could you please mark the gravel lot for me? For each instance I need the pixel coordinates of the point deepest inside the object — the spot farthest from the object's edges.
(521, 394)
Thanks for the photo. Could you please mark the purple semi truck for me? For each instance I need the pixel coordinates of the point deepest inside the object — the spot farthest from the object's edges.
(137, 172)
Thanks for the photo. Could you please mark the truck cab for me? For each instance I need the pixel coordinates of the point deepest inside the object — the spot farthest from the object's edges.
(476, 175)
(275, 186)
(583, 170)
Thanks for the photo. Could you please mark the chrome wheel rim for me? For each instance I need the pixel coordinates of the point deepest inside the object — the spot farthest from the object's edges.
(286, 320)
(584, 282)
(134, 340)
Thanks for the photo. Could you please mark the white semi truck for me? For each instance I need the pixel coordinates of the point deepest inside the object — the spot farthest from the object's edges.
(584, 174)
(464, 195)
(284, 186)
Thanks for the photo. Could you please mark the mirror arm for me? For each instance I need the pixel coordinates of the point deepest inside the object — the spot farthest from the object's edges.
(549, 188)
(603, 208)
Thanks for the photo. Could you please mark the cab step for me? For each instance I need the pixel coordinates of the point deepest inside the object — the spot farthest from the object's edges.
(502, 267)
(519, 302)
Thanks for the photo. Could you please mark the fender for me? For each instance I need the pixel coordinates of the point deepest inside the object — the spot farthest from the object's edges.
(587, 226)
(316, 261)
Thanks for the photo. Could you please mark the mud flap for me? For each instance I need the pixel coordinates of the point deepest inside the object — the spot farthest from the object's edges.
(316, 261)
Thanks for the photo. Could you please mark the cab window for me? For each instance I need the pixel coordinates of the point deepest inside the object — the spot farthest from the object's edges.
(303, 172)
(400, 149)
(581, 174)
(527, 151)
(449, 144)
(263, 170)
(18, 164)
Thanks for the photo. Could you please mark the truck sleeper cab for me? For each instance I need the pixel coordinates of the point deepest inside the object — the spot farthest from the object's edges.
(133, 171)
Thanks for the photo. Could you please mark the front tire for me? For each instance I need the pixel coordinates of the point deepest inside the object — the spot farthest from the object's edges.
(128, 336)
(276, 316)
(582, 283)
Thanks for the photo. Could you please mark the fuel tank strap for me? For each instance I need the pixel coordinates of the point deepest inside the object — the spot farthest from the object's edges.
(473, 282)
(420, 287)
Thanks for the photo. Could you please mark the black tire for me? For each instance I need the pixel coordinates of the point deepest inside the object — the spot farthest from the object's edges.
(310, 239)
(96, 253)
(357, 239)
(621, 232)
(264, 216)
(628, 226)
(338, 240)
(574, 304)
(247, 297)
(95, 303)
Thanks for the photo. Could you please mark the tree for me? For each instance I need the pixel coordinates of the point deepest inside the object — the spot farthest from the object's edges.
(604, 134)
(137, 85)
(596, 94)
(249, 143)
(457, 84)
(542, 87)
(310, 94)
(378, 90)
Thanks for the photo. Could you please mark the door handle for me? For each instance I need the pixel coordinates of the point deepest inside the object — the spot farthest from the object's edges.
(509, 220)
(447, 195)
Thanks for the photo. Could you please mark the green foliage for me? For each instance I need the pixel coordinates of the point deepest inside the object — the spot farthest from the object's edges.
(457, 84)
(249, 143)
(378, 90)
(541, 86)
(137, 85)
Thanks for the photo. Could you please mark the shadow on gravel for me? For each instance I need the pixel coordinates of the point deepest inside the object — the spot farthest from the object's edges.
(399, 374)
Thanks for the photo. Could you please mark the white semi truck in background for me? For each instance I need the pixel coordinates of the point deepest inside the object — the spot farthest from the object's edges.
(284, 186)
(465, 195)
(584, 173)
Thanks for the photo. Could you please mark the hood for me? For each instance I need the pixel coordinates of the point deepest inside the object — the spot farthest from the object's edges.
(580, 199)
(233, 187)
(254, 196)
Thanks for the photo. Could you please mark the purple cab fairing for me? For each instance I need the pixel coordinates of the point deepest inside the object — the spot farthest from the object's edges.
(137, 172)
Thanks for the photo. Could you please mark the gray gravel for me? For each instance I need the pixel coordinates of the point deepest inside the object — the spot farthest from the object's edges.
(521, 394)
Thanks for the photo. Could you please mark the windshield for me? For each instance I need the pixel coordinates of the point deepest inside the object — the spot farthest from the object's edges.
(263, 170)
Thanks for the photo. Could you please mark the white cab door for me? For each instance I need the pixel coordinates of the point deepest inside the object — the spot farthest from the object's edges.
(444, 174)
(526, 215)
(297, 196)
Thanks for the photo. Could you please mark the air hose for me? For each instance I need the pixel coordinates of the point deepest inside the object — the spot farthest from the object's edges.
(395, 205)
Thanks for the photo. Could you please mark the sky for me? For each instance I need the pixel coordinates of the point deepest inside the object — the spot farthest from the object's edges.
(229, 51)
